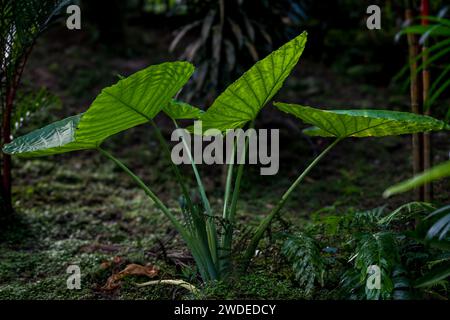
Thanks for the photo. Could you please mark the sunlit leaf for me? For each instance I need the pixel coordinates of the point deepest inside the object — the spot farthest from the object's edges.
(437, 172)
(361, 123)
(130, 102)
(242, 100)
(178, 110)
(57, 137)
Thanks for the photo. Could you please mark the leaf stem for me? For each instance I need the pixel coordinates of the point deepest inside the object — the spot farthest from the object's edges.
(231, 214)
(267, 221)
(175, 169)
(210, 226)
(197, 252)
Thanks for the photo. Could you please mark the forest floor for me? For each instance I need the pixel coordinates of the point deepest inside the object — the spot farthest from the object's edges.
(80, 209)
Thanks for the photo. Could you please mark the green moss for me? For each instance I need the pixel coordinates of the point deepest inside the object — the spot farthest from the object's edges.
(258, 285)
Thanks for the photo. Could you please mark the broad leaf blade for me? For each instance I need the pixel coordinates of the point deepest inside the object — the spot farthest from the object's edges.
(437, 172)
(244, 98)
(58, 137)
(178, 110)
(130, 102)
(133, 100)
(440, 228)
(361, 123)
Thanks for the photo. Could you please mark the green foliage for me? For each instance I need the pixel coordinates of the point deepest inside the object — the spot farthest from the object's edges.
(408, 211)
(131, 102)
(257, 285)
(441, 227)
(342, 124)
(436, 275)
(54, 138)
(437, 52)
(361, 123)
(411, 265)
(308, 265)
(242, 100)
(407, 266)
(28, 103)
(435, 173)
(139, 98)
(178, 110)
(380, 250)
(438, 236)
(368, 217)
(21, 23)
(136, 100)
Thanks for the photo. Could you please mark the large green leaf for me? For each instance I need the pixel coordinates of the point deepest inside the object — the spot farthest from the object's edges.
(130, 102)
(178, 110)
(361, 123)
(244, 98)
(133, 100)
(437, 172)
(57, 137)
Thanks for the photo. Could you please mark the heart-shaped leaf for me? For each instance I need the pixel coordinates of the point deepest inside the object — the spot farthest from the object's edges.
(178, 110)
(130, 102)
(244, 98)
(361, 123)
(437, 172)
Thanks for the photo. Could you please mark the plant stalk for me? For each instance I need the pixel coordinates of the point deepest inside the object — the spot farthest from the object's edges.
(175, 169)
(210, 226)
(230, 216)
(197, 252)
(264, 225)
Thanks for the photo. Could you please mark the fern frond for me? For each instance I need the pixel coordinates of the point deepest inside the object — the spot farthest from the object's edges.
(308, 265)
(378, 252)
(368, 217)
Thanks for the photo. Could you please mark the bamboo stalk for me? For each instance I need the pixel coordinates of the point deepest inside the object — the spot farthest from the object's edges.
(416, 100)
(428, 188)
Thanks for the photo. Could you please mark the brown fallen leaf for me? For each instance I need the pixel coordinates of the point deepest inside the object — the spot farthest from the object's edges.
(115, 262)
(113, 281)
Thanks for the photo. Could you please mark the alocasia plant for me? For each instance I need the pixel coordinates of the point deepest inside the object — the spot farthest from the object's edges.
(137, 99)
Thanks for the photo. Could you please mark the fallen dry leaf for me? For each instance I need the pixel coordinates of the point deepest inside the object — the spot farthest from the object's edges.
(113, 281)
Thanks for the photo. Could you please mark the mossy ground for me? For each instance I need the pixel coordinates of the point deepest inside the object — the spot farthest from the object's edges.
(80, 209)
